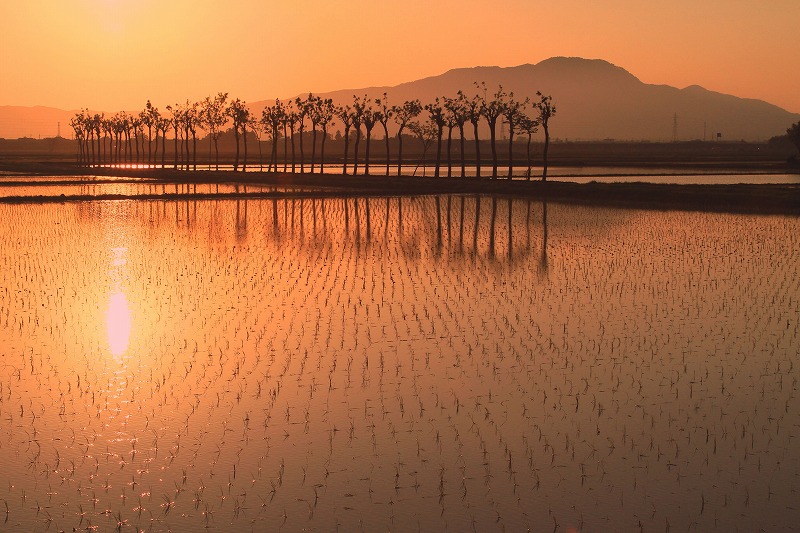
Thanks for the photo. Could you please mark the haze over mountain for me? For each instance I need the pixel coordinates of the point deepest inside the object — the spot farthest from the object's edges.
(595, 100)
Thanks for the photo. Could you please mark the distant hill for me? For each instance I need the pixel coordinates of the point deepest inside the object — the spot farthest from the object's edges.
(595, 101)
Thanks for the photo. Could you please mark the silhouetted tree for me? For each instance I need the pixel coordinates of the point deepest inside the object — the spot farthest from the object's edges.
(175, 123)
(359, 107)
(459, 108)
(313, 103)
(474, 114)
(240, 115)
(546, 111)
(527, 126)
(403, 115)
(426, 132)
(272, 117)
(147, 118)
(302, 111)
(345, 114)
(214, 119)
(512, 111)
(325, 112)
(370, 118)
(492, 109)
(436, 112)
(385, 112)
(162, 125)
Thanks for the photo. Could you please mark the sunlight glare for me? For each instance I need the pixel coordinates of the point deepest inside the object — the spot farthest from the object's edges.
(118, 319)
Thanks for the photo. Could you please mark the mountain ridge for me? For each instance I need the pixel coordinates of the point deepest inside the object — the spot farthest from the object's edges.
(595, 99)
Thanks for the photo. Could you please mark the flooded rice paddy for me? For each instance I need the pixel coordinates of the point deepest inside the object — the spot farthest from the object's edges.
(420, 364)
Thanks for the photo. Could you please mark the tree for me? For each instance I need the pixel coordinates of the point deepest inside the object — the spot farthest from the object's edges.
(546, 111)
(527, 126)
(512, 111)
(359, 107)
(301, 113)
(793, 133)
(313, 103)
(345, 114)
(77, 125)
(214, 119)
(240, 115)
(403, 115)
(436, 112)
(459, 108)
(474, 114)
(426, 131)
(491, 110)
(147, 119)
(162, 125)
(272, 117)
(325, 111)
(371, 118)
(175, 123)
(384, 114)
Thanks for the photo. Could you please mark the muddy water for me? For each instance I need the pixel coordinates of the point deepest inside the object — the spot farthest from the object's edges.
(432, 364)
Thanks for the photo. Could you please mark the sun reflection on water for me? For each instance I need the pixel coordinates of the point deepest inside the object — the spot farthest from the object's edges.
(118, 320)
(118, 314)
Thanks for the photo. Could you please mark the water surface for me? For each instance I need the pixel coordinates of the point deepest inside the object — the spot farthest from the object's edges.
(435, 364)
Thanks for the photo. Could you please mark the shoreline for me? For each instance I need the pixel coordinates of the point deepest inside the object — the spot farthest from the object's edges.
(783, 199)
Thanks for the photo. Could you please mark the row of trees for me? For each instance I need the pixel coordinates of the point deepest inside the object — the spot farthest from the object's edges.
(127, 138)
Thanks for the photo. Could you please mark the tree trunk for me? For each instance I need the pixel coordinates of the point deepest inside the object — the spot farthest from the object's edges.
(477, 149)
(244, 161)
(510, 150)
(400, 151)
(355, 154)
(463, 163)
(322, 150)
(449, 151)
(439, 134)
(386, 139)
(346, 149)
(313, 146)
(544, 155)
(492, 139)
(366, 156)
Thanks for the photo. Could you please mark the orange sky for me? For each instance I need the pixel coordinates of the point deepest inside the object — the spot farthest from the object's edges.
(115, 54)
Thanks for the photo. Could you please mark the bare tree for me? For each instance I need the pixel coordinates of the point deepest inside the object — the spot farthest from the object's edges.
(240, 115)
(403, 115)
(345, 114)
(214, 119)
(436, 111)
(385, 112)
(512, 111)
(359, 107)
(325, 111)
(527, 126)
(272, 117)
(492, 109)
(546, 111)
(474, 114)
(426, 132)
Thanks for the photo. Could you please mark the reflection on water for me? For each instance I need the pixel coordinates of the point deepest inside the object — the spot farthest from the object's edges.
(453, 363)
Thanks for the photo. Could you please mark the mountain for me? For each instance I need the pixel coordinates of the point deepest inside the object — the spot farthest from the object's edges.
(595, 100)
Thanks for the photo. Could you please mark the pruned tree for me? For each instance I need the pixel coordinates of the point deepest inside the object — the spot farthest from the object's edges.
(527, 126)
(546, 110)
(436, 111)
(512, 112)
(301, 113)
(345, 114)
(492, 110)
(272, 117)
(403, 115)
(240, 115)
(426, 131)
(359, 108)
(385, 112)
(214, 119)
(459, 108)
(325, 112)
(474, 114)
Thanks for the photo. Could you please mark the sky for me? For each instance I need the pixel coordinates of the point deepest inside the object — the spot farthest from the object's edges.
(117, 54)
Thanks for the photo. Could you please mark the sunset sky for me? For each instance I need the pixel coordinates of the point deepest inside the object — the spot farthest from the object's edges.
(116, 54)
